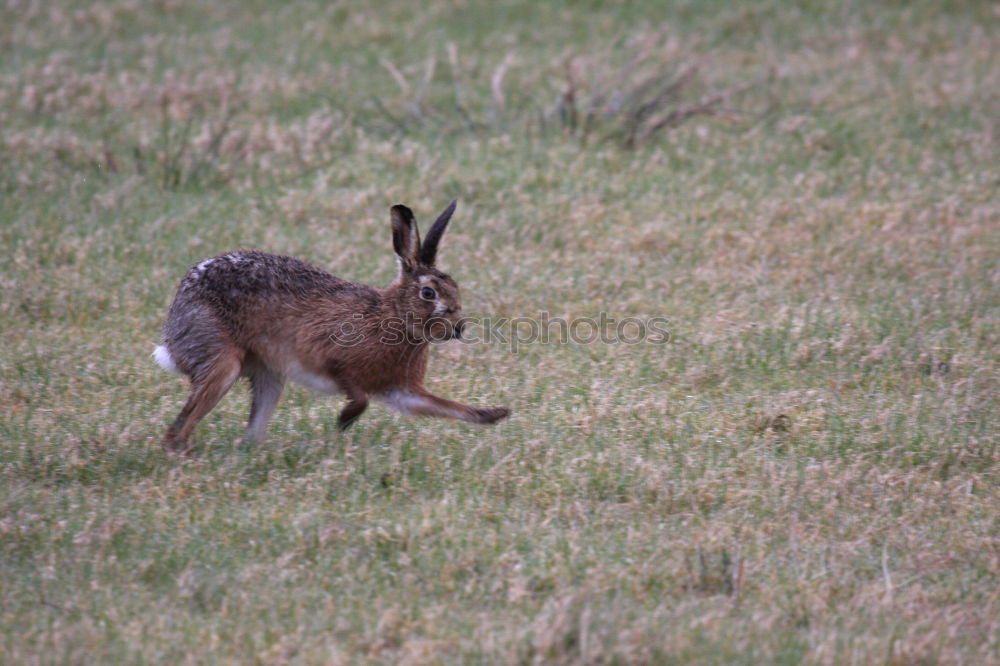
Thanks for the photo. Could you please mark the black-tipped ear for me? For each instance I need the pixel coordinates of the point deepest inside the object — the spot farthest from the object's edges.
(428, 251)
(405, 236)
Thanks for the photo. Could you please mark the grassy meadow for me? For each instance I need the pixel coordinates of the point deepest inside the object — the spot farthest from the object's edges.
(806, 472)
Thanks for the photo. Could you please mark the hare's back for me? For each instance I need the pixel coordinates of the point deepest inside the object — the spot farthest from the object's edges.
(245, 276)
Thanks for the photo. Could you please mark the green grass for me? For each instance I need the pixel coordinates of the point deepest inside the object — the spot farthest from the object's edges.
(806, 473)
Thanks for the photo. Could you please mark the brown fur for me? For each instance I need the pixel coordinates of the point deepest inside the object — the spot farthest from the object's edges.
(272, 319)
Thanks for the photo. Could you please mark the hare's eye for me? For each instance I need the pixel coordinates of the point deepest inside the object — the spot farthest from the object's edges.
(428, 294)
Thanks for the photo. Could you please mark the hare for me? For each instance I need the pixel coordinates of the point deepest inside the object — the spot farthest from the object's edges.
(273, 318)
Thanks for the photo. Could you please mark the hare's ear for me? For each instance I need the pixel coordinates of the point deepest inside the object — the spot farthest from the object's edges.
(405, 237)
(428, 251)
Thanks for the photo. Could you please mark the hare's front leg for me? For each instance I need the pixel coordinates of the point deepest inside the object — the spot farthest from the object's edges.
(423, 403)
(357, 403)
(265, 388)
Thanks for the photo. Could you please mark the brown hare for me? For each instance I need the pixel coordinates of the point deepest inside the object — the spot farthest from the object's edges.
(273, 318)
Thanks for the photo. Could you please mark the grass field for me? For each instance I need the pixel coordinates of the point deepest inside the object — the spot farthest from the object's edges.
(807, 472)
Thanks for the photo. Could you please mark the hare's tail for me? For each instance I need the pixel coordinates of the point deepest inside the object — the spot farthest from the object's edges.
(163, 358)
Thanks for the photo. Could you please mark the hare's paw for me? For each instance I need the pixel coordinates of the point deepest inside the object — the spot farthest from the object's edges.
(491, 414)
(175, 446)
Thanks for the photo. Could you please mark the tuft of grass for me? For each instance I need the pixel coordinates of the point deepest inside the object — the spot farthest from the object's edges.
(590, 97)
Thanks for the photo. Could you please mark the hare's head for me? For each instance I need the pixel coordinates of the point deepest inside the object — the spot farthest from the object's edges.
(428, 299)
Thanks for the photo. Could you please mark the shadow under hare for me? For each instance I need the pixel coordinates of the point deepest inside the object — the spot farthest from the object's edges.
(274, 319)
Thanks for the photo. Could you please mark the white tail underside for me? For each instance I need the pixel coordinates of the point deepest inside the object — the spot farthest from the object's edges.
(163, 358)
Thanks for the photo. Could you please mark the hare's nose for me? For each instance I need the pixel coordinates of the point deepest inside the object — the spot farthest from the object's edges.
(459, 327)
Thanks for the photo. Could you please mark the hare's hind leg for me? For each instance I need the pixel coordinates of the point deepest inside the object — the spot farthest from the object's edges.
(422, 403)
(207, 388)
(265, 389)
